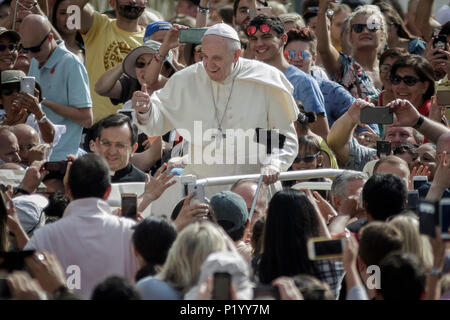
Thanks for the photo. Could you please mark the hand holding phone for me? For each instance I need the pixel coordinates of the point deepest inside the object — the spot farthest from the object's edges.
(191, 35)
(199, 193)
(222, 286)
(129, 205)
(325, 249)
(27, 85)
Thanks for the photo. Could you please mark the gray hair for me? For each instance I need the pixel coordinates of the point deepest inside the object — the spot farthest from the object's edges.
(339, 186)
(233, 45)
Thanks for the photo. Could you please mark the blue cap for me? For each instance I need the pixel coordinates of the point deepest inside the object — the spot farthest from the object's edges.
(156, 26)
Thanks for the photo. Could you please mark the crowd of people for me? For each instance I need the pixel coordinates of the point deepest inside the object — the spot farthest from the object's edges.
(131, 96)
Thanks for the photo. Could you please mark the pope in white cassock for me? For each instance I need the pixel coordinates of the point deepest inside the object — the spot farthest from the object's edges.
(217, 104)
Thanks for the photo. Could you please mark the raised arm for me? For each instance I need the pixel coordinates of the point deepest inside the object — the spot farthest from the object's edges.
(328, 53)
(87, 14)
(202, 17)
(108, 85)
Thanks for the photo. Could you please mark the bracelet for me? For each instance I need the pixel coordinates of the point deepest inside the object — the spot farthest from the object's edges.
(20, 190)
(158, 57)
(419, 122)
(203, 10)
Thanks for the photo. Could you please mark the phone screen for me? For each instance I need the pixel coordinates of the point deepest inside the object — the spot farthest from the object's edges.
(129, 206)
(327, 248)
(3, 210)
(445, 218)
(266, 292)
(427, 218)
(378, 115)
(222, 285)
(14, 260)
(383, 148)
(418, 181)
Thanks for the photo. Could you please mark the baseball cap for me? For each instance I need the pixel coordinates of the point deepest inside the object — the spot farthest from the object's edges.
(150, 46)
(11, 33)
(12, 76)
(230, 210)
(29, 210)
(156, 26)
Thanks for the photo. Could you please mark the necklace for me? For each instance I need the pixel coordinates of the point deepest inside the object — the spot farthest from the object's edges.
(218, 137)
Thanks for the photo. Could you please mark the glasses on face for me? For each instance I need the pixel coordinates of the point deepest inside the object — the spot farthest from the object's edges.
(34, 49)
(410, 81)
(10, 47)
(291, 54)
(264, 28)
(117, 145)
(385, 68)
(359, 27)
(9, 90)
(306, 159)
(141, 64)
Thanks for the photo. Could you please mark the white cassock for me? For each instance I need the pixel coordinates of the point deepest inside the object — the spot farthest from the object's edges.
(259, 96)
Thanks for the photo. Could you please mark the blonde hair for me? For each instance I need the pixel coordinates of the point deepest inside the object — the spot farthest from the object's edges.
(371, 10)
(413, 241)
(187, 254)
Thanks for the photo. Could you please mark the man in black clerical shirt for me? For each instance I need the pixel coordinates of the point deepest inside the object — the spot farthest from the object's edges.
(116, 143)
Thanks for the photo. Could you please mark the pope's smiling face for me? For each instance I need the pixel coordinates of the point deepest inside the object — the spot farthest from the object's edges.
(218, 58)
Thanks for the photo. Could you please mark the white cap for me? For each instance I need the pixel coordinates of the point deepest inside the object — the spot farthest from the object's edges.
(223, 30)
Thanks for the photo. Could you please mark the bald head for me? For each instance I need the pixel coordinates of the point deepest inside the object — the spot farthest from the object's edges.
(27, 138)
(35, 31)
(9, 148)
(11, 166)
(443, 143)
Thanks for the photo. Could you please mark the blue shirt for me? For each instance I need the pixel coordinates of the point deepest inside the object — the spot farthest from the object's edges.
(64, 80)
(306, 90)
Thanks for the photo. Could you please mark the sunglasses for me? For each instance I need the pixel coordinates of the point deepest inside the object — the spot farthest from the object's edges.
(34, 49)
(141, 64)
(410, 81)
(7, 91)
(307, 159)
(11, 47)
(358, 27)
(264, 28)
(291, 54)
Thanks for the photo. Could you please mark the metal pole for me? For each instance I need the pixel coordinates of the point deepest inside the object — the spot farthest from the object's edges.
(15, 17)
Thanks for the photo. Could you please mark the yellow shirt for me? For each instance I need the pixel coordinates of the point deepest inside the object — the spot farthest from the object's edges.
(325, 148)
(106, 46)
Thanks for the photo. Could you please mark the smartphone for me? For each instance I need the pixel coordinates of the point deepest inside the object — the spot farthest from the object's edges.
(377, 115)
(14, 260)
(199, 193)
(185, 181)
(27, 85)
(323, 248)
(58, 167)
(418, 181)
(383, 148)
(191, 35)
(428, 217)
(413, 200)
(3, 210)
(266, 292)
(440, 42)
(270, 138)
(129, 205)
(5, 293)
(444, 218)
(222, 286)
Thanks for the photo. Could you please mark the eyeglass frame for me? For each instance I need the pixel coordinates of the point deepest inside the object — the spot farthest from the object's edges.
(117, 145)
(364, 26)
(402, 79)
(33, 49)
(310, 158)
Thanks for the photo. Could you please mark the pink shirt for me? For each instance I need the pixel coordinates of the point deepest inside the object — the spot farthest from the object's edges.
(90, 237)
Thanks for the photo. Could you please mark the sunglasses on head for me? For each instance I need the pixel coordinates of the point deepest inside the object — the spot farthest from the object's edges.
(34, 49)
(291, 54)
(359, 27)
(410, 81)
(306, 159)
(264, 28)
(11, 47)
(9, 90)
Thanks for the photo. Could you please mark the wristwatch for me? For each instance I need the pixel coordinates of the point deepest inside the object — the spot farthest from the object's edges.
(419, 122)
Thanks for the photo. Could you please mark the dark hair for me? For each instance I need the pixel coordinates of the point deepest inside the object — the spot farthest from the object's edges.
(89, 177)
(304, 119)
(389, 11)
(118, 120)
(308, 143)
(226, 13)
(309, 3)
(312, 288)
(258, 235)
(305, 34)
(275, 23)
(152, 239)
(402, 277)
(377, 240)
(405, 147)
(385, 194)
(78, 37)
(115, 288)
(394, 4)
(57, 203)
(445, 29)
(291, 220)
(393, 53)
(91, 134)
(421, 67)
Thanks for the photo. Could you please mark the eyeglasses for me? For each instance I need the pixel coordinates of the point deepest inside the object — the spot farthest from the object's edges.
(9, 90)
(118, 145)
(141, 64)
(358, 27)
(291, 54)
(307, 159)
(35, 49)
(410, 81)
(385, 68)
(11, 47)
(264, 28)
